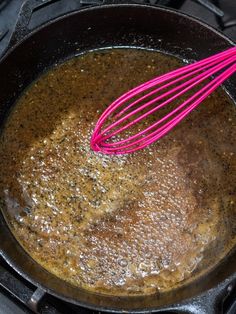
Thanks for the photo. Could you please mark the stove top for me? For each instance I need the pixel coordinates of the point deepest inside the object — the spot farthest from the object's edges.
(16, 294)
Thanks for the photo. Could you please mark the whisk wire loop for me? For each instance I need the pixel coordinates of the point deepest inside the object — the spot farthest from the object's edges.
(187, 78)
(157, 134)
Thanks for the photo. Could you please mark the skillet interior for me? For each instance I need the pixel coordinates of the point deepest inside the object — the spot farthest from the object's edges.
(86, 30)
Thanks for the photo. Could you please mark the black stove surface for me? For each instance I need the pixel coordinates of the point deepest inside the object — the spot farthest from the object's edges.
(16, 294)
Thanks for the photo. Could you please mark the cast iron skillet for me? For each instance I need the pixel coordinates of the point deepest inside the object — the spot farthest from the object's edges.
(92, 28)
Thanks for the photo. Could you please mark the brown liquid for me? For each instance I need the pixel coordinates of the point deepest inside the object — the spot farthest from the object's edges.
(130, 224)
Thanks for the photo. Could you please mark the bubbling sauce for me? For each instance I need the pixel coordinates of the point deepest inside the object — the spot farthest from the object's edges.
(124, 225)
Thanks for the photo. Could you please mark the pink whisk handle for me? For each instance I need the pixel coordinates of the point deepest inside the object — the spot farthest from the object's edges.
(125, 112)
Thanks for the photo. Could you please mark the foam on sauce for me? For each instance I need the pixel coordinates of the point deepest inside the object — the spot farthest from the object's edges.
(131, 224)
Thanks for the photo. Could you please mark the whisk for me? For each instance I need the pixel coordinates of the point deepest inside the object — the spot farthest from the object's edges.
(144, 100)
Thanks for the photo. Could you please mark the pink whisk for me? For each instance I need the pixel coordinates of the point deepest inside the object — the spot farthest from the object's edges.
(131, 108)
